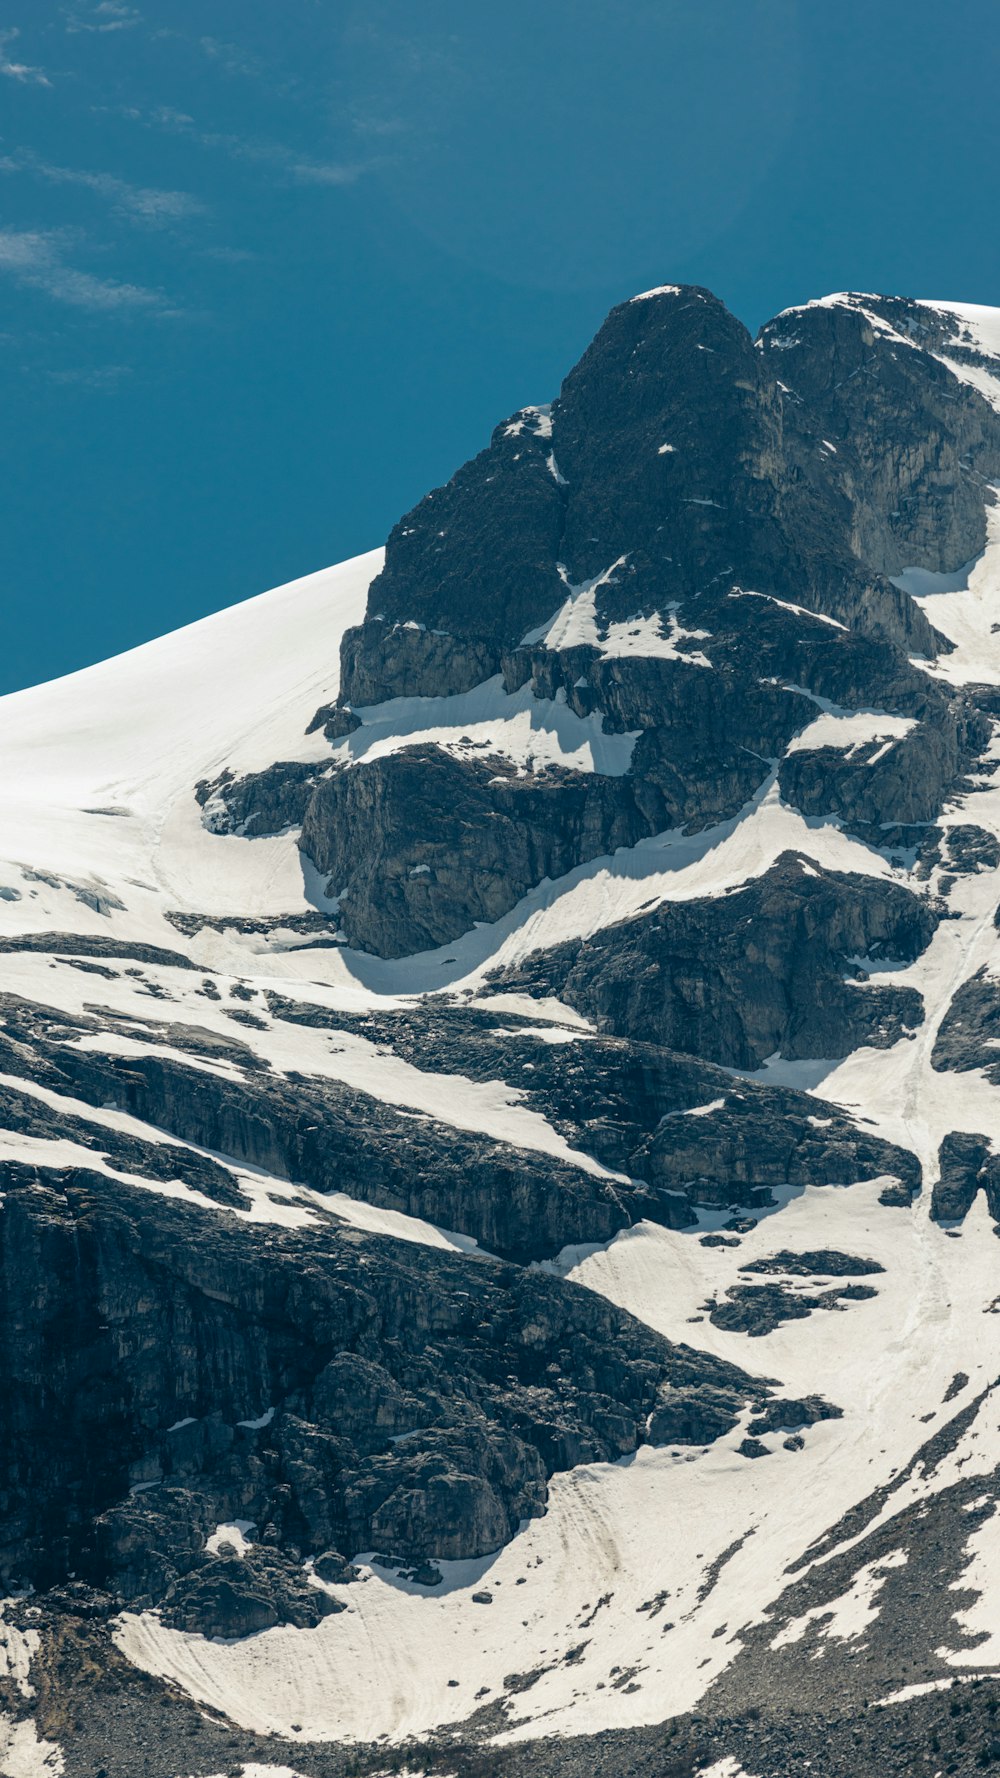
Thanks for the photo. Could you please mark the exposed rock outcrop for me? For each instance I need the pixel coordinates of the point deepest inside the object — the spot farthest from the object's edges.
(966, 1165)
(694, 543)
(741, 976)
(422, 845)
(165, 1372)
(677, 445)
(968, 1033)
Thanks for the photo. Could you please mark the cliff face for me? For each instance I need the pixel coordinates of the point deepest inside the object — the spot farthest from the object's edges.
(164, 1372)
(458, 1120)
(798, 462)
(692, 548)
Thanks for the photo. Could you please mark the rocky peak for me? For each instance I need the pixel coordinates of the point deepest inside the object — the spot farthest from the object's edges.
(852, 442)
(883, 404)
(664, 427)
(689, 550)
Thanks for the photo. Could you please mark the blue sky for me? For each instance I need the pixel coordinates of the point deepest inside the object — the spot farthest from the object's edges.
(270, 269)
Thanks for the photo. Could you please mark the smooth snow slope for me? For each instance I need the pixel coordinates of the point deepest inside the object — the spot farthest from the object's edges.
(230, 686)
(99, 766)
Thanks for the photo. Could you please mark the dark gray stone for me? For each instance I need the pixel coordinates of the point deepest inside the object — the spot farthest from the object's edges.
(739, 976)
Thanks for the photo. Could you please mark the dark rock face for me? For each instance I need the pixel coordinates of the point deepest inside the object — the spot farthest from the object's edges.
(477, 557)
(156, 1161)
(625, 1107)
(339, 1391)
(337, 1139)
(336, 720)
(825, 1262)
(421, 844)
(743, 975)
(678, 445)
(968, 1032)
(627, 1103)
(875, 785)
(85, 944)
(911, 504)
(425, 845)
(972, 849)
(757, 1140)
(757, 1309)
(233, 1596)
(966, 1165)
(790, 1416)
(749, 499)
(266, 803)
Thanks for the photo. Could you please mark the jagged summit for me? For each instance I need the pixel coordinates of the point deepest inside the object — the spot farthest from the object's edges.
(676, 455)
(500, 1130)
(698, 537)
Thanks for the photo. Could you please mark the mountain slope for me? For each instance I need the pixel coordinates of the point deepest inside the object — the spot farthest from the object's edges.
(500, 1142)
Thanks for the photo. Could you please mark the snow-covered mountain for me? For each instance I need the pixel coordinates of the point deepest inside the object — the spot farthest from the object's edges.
(499, 1119)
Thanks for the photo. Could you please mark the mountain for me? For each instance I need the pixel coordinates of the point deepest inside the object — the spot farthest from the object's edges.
(500, 1104)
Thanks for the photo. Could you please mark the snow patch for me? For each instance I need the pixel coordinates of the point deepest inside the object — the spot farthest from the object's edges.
(231, 1539)
(821, 617)
(660, 290)
(850, 1615)
(24, 1754)
(533, 733)
(17, 1651)
(852, 731)
(965, 606)
(979, 1576)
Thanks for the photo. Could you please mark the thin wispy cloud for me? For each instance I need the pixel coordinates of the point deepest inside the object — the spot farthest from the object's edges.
(228, 255)
(108, 15)
(283, 159)
(230, 58)
(321, 173)
(95, 376)
(373, 123)
(36, 259)
(148, 205)
(19, 71)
